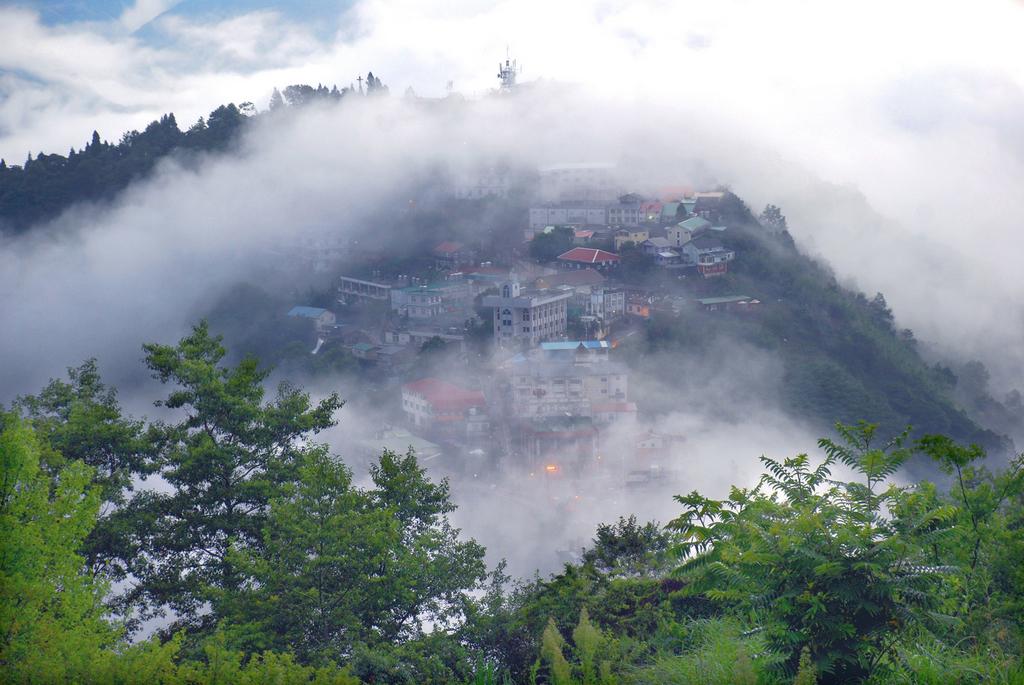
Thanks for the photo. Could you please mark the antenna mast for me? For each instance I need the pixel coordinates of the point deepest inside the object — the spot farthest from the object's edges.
(507, 73)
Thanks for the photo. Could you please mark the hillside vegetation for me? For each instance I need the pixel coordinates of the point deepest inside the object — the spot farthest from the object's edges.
(275, 567)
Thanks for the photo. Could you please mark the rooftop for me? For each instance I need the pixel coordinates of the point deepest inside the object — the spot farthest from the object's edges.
(444, 395)
(588, 255)
(307, 312)
(447, 247)
(575, 345)
(706, 242)
(695, 223)
(731, 299)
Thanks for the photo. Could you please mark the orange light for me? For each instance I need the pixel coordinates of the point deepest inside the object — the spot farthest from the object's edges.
(551, 468)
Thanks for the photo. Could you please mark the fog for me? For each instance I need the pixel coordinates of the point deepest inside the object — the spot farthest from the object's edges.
(901, 169)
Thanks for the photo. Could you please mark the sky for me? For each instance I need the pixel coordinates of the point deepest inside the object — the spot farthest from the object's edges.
(890, 133)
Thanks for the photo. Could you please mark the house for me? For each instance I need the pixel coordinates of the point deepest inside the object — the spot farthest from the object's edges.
(669, 211)
(365, 351)
(416, 337)
(322, 318)
(655, 448)
(708, 205)
(650, 212)
(667, 258)
(609, 413)
(417, 302)
(592, 181)
(567, 214)
(431, 300)
(630, 235)
(588, 257)
(579, 351)
(626, 212)
(601, 302)
(449, 255)
(740, 303)
(527, 317)
(437, 407)
(715, 262)
(704, 244)
(355, 289)
(685, 231)
(653, 246)
(566, 386)
(639, 304)
(556, 443)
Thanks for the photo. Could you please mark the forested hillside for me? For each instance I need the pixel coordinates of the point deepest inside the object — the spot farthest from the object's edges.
(270, 565)
(842, 353)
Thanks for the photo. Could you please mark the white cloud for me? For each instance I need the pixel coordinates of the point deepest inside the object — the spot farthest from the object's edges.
(910, 111)
(142, 12)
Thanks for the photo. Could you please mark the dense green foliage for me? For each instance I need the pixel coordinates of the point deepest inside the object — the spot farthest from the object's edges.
(43, 187)
(546, 246)
(278, 568)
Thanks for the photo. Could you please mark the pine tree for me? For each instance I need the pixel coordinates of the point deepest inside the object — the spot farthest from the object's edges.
(276, 101)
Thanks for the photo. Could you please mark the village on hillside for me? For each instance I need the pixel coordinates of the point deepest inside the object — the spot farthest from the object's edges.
(594, 262)
(505, 356)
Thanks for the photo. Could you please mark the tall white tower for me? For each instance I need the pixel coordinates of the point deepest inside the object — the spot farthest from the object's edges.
(507, 74)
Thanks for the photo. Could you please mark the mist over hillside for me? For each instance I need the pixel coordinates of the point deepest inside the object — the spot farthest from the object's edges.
(222, 222)
(694, 352)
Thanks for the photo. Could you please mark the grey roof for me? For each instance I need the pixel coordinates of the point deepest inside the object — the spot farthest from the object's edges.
(706, 242)
(658, 242)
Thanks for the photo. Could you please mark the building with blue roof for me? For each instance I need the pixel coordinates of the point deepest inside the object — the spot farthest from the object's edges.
(323, 318)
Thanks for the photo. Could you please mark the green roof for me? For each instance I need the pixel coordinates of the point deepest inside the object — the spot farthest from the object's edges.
(695, 223)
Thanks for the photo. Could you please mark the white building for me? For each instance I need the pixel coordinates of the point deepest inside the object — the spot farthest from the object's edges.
(528, 316)
(567, 214)
(566, 387)
(604, 303)
(583, 181)
(358, 289)
(707, 247)
(483, 183)
(438, 407)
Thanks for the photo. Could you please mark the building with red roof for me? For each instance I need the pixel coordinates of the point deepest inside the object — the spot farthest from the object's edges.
(588, 257)
(450, 254)
(437, 407)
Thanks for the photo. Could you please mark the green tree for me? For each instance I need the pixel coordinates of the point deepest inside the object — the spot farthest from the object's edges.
(842, 568)
(545, 247)
(312, 581)
(773, 219)
(51, 611)
(82, 420)
(431, 570)
(225, 459)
